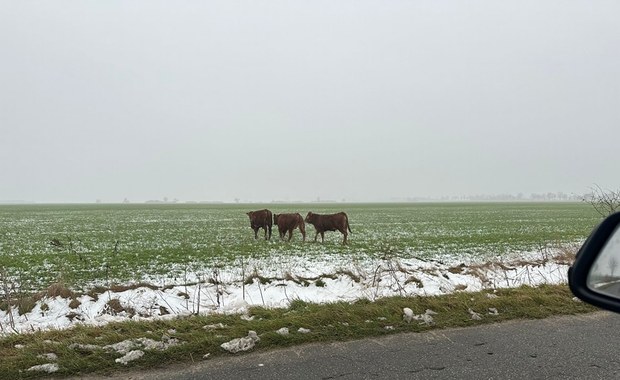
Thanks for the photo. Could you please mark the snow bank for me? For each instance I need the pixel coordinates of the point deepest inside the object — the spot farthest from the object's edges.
(317, 280)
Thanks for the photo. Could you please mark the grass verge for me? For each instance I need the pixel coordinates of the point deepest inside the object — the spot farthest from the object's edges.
(327, 322)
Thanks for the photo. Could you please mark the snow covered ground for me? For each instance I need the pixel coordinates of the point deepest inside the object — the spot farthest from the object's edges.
(278, 281)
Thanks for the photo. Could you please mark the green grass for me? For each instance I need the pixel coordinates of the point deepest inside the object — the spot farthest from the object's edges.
(102, 244)
(328, 322)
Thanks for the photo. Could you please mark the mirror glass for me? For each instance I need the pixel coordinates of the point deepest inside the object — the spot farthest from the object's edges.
(604, 276)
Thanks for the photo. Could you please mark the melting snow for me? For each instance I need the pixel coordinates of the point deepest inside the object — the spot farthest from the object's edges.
(130, 356)
(52, 357)
(474, 315)
(49, 368)
(370, 279)
(283, 331)
(426, 318)
(241, 344)
(215, 326)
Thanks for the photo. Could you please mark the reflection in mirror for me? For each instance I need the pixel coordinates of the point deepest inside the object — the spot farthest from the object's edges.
(604, 276)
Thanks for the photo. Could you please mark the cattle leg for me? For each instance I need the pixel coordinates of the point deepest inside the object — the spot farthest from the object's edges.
(290, 234)
(269, 232)
(322, 237)
(302, 229)
(316, 236)
(344, 242)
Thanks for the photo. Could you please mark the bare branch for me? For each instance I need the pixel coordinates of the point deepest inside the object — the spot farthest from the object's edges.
(605, 202)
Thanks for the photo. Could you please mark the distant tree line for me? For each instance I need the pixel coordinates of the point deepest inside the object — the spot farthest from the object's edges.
(542, 197)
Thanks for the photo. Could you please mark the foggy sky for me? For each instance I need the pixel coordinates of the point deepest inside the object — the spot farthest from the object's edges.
(294, 100)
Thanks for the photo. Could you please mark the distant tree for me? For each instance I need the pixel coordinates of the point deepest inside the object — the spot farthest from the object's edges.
(613, 264)
(605, 202)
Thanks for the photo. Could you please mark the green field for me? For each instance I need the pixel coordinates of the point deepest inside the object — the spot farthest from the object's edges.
(129, 242)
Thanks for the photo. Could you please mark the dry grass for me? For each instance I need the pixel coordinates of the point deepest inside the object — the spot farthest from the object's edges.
(115, 307)
(457, 269)
(122, 288)
(57, 289)
(415, 280)
(350, 274)
(326, 322)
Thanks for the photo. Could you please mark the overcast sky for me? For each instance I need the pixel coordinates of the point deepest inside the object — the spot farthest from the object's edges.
(294, 100)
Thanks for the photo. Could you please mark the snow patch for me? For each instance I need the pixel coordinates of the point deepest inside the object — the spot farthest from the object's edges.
(369, 279)
(215, 326)
(241, 344)
(49, 368)
(426, 318)
(52, 357)
(130, 356)
(283, 331)
(474, 315)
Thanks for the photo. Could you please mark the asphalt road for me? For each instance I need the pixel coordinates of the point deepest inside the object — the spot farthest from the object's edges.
(567, 347)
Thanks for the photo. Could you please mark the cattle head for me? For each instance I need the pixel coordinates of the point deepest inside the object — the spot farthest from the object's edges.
(251, 216)
(309, 217)
(275, 218)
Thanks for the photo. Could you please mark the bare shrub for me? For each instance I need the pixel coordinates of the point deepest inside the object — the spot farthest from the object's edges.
(605, 202)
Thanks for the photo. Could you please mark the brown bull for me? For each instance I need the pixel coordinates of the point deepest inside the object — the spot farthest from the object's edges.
(332, 222)
(260, 219)
(287, 223)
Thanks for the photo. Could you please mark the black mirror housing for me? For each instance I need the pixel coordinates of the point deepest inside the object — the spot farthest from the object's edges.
(584, 261)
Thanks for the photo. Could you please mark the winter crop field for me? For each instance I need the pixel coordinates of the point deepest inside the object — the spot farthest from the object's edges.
(87, 245)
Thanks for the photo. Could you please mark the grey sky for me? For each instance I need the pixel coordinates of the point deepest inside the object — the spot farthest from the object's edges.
(294, 100)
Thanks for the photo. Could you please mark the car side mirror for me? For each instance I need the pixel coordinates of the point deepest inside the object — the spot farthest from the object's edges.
(594, 277)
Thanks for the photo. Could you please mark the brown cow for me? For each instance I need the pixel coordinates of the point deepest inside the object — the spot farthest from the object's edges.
(332, 222)
(260, 219)
(287, 223)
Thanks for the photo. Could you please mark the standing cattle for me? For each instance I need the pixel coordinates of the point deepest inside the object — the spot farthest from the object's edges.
(332, 222)
(287, 223)
(260, 219)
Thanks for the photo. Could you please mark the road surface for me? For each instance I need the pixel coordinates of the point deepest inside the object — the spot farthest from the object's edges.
(567, 347)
